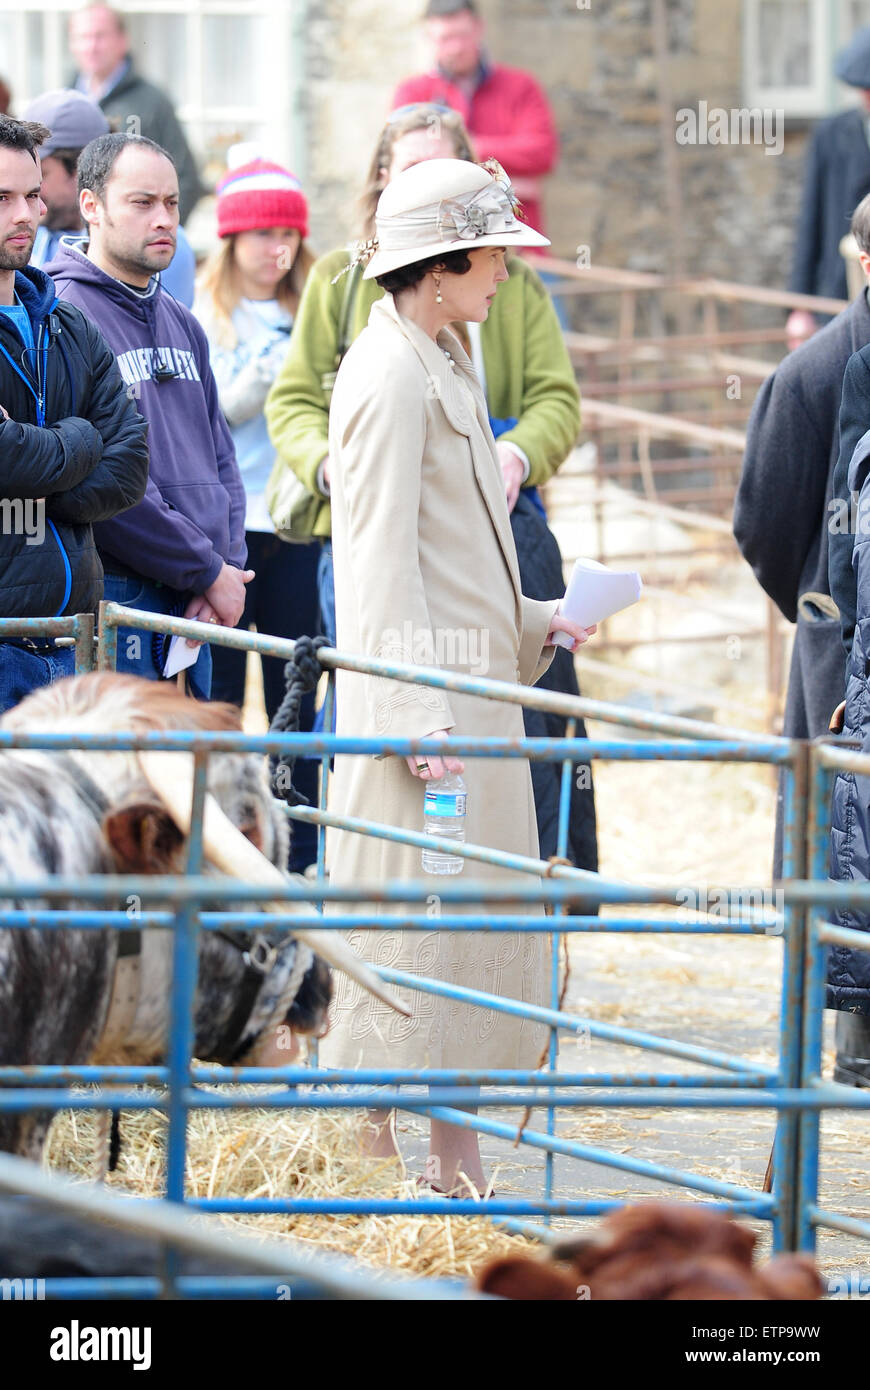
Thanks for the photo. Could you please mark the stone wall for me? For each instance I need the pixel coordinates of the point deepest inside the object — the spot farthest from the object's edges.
(733, 209)
(357, 53)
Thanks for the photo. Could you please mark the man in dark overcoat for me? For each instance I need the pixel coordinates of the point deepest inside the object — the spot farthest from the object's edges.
(785, 521)
(837, 178)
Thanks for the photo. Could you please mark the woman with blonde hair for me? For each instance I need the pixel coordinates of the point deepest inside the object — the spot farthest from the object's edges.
(247, 299)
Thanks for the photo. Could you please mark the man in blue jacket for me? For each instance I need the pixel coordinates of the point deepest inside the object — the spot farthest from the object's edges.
(182, 550)
(73, 446)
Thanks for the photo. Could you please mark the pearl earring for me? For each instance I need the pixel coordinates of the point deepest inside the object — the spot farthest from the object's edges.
(438, 299)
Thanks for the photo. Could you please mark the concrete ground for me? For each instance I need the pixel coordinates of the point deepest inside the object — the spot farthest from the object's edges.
(708, 825)
(702, 824)
(732, 1146)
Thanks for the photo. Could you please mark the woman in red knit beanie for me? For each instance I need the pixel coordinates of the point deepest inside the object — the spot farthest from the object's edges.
(247, 297)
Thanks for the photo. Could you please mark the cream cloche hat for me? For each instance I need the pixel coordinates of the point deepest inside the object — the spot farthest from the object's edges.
(444, 205)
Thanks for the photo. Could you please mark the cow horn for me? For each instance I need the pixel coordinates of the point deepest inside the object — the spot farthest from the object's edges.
(226, 847)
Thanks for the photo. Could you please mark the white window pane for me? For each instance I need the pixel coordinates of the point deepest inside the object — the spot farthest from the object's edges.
(784, 28)
(232, 49)
(857, 16)
(35, 78)
(157, 47)
(216, 137)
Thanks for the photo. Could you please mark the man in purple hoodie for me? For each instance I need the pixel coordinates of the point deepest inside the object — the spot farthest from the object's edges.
(181, 550)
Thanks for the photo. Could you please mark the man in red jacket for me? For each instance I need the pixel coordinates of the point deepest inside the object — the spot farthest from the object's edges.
(505, 110)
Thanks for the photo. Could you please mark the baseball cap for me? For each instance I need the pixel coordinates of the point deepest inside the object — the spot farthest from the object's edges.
(73, 121)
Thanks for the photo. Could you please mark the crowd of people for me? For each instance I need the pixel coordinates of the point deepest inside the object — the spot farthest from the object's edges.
(351, 444)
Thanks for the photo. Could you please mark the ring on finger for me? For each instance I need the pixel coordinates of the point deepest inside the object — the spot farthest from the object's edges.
(422, 767)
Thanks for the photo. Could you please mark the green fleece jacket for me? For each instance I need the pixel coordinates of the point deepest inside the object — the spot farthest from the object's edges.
(529, 375)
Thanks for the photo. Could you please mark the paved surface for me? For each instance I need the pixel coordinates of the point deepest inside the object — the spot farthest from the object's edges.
(687, 824)
(670, 996)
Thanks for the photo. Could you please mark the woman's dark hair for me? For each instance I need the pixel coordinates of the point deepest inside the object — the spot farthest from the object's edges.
(406, 276)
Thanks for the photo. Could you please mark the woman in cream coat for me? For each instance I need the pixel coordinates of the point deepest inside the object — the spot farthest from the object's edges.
(426, 572)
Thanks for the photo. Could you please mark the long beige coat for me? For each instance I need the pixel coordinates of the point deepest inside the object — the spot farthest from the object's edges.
(426, 572)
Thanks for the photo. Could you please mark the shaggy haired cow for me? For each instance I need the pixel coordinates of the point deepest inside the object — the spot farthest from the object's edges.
(76, 996)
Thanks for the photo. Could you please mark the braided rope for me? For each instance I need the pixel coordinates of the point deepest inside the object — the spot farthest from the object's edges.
(301, 675)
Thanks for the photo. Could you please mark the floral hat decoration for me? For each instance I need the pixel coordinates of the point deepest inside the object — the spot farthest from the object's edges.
(443, 205)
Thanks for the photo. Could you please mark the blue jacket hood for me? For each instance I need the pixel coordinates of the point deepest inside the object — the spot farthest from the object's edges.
(71, 265)
(36, 291)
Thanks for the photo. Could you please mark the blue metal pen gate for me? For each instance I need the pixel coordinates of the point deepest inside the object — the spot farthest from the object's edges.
(793, 1088)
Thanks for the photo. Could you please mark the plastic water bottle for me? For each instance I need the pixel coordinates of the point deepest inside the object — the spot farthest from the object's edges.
(444, 814)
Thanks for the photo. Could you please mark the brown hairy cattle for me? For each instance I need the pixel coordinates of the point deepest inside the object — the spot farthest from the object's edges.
(655, 1251)
(70, 996)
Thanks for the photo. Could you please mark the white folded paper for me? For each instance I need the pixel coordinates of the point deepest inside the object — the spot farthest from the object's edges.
(179, 657)
(594, 593)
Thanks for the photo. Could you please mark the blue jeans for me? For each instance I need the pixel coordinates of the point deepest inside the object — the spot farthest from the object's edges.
(143, 653)
(22, 671)
(281, 601)
(326, 591)
(326, 594)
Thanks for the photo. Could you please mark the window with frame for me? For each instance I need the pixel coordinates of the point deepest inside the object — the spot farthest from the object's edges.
(789, 47)
(226, 66)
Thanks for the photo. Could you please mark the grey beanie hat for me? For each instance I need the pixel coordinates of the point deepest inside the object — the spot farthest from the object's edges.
(853, 61)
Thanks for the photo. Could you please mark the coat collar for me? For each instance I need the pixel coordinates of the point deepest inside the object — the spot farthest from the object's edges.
(443, 377)
(466, 411)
